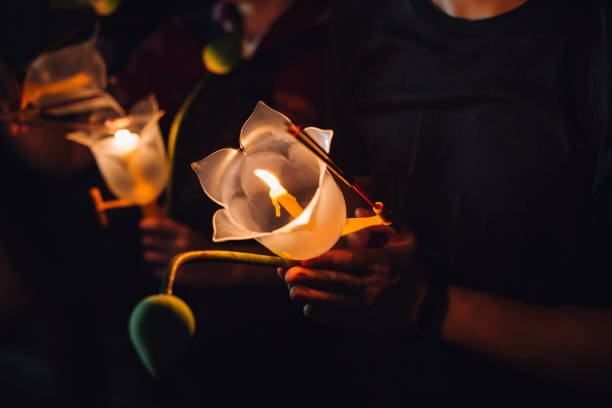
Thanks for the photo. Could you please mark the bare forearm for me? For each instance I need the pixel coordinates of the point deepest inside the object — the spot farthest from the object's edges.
(569, 343)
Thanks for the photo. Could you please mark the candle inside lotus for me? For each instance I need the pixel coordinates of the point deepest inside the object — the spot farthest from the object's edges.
(132, 168)
(130, 153)
(125, 141)
(279, 195)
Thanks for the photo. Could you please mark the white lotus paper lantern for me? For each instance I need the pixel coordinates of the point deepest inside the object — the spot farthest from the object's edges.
(273, 189)
(71, 80)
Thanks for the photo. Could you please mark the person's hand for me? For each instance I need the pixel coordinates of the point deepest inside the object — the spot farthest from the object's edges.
(370, 288)
(163, 238)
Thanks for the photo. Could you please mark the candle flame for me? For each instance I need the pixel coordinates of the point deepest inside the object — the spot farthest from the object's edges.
(270, 179)
(279, 195)
(125, 139)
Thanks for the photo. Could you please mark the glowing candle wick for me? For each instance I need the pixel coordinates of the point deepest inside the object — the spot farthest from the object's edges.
(278, 194)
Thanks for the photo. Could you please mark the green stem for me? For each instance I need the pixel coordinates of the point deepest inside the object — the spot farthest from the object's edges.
(173, 136)
(220, 256)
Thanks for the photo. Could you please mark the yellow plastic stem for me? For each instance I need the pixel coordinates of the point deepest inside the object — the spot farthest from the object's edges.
(357, 224)
(220, 256)
(101, 206)
(152, 210)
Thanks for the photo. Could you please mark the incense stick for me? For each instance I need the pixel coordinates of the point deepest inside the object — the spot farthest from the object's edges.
(311, 145)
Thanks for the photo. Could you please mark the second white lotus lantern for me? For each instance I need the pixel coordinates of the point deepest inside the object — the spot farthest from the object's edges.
(130, 153)
(69, 81)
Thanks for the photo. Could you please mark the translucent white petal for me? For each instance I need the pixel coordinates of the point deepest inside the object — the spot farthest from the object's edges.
(226, 229)
(219, 174)
(322, 137)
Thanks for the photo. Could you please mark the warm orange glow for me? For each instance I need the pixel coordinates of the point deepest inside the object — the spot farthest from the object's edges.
(279, 195)
(67, 85)
(357, 224)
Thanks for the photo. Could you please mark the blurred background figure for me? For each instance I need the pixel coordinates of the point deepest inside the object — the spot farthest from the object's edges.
(64, 315)
(89, 279)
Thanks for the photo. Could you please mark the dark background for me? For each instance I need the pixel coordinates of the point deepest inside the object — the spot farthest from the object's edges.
(29, 27)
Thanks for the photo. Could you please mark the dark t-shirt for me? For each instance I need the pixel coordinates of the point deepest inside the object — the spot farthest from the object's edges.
(489, 139)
